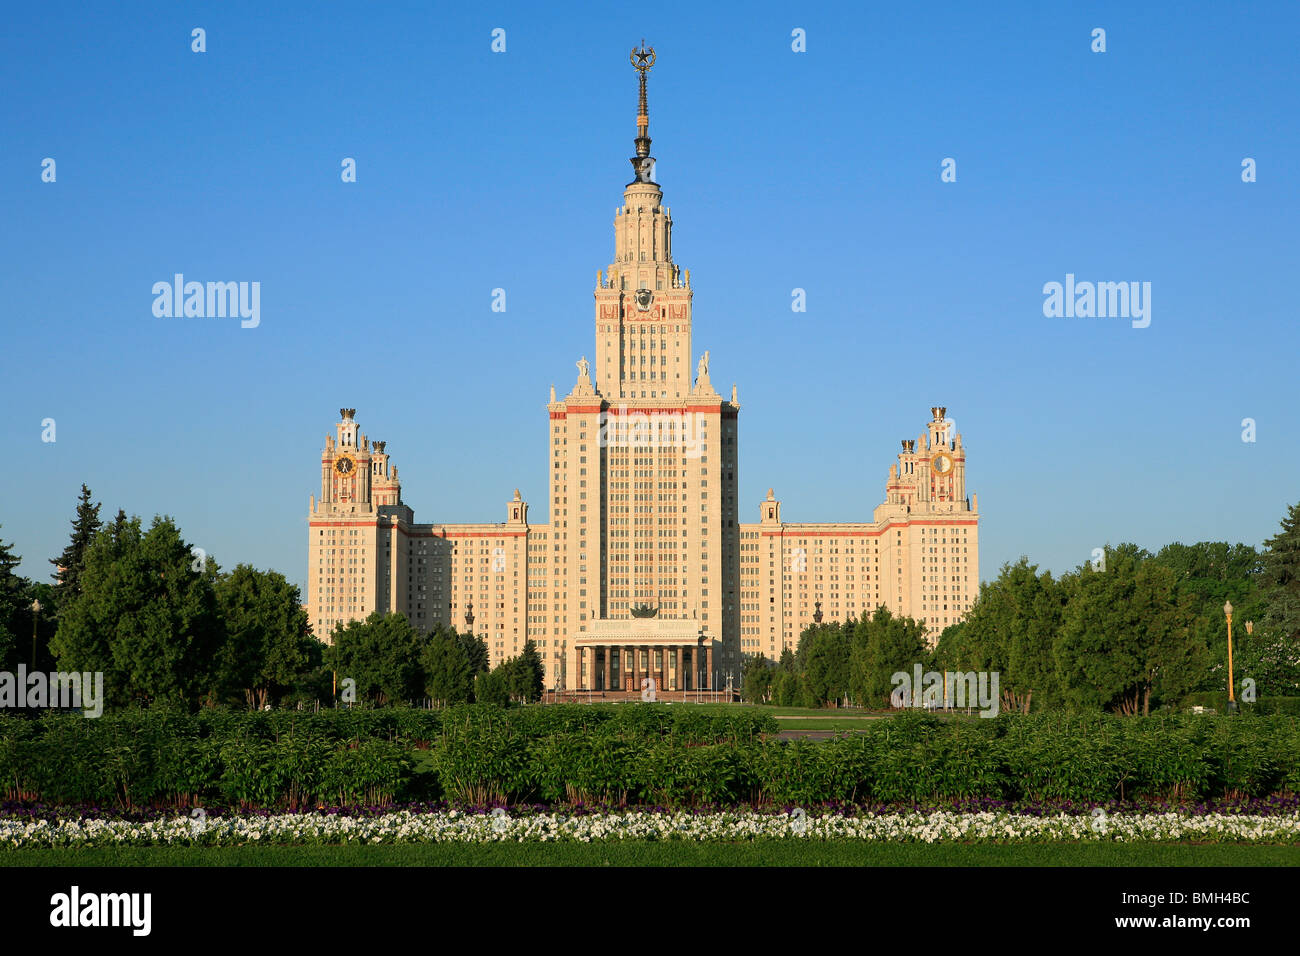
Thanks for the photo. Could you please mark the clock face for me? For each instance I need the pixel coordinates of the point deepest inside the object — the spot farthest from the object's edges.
(941, 463)
(344, 465)
(643, 299)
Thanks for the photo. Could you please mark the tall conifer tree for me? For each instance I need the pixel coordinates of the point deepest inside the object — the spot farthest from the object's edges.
(69, 565)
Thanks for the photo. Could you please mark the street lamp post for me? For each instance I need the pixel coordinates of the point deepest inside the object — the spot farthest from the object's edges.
(36, 610)
(1232, 701)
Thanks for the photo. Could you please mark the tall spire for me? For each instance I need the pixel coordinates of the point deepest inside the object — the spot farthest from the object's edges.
(643, 163)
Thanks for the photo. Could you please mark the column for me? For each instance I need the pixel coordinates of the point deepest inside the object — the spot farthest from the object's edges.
(677, 667)
(636, 663)
(708, 665)
(607, 663)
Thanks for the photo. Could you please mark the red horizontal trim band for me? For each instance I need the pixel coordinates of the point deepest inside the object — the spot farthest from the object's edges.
(794, 531)
(465, 534)
(622, 409)
(619, 410)
(375, 523)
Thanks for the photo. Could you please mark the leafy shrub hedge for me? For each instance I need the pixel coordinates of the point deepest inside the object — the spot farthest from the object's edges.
(633, 754)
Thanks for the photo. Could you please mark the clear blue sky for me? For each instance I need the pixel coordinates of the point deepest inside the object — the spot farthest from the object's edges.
(817, 170)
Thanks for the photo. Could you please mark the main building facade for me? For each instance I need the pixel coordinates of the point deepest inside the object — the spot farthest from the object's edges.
(644, 567)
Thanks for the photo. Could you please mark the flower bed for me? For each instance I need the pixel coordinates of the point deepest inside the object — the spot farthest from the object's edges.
(451, 825)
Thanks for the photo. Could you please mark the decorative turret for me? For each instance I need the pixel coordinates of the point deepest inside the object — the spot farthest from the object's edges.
(930, 476)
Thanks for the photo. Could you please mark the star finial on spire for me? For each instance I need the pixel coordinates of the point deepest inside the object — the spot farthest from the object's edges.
(642, 60)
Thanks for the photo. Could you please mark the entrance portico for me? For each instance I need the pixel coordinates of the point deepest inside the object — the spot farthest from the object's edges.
(616, 655)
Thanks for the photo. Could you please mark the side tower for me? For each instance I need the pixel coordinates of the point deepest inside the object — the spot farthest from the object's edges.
(930, 545)
(360, 502)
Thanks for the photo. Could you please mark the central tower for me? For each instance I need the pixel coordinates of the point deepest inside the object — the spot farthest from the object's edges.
(643, 467)
(643, 304)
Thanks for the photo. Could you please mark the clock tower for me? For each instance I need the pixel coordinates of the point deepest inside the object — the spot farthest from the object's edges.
(350, 528)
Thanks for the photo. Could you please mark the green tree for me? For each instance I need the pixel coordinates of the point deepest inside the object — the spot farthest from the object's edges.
(1011, 629)
(1206, 575)
(1279, 625)
(448, 674)
(146, 616)
(824, 651)
(268, 646)
(14, 606)
(785, 688)
(959, 647)
(490, 686)
(888, 645)
(756, 677)
(476, 652)
(382, 654)
(524, 674)
(1125, 635)
(68, 565)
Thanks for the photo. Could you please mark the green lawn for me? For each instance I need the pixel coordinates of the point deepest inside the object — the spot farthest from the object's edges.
(828, 723)
(641, 853)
